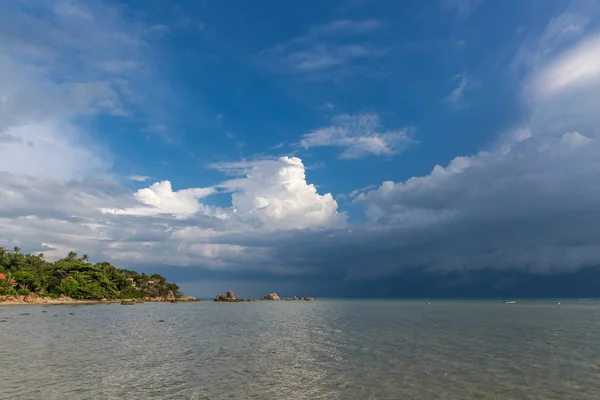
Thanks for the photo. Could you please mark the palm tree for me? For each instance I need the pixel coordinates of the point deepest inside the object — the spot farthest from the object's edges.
(17, 249)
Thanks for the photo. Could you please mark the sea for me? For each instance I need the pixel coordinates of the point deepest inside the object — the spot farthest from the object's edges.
(324, 349)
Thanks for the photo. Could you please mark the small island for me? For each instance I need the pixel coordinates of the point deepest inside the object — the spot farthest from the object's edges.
(31, 279)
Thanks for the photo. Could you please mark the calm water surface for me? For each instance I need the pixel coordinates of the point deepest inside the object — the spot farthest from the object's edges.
(327, 349)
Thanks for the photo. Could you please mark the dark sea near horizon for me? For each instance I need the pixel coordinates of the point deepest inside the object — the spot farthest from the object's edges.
(326, 349)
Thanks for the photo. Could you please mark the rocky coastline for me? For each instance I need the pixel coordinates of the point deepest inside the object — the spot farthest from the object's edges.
(34, 299)
(230, 298)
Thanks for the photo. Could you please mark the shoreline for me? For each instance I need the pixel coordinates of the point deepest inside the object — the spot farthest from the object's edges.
(53, 303)
(88, 302)
(33, 299)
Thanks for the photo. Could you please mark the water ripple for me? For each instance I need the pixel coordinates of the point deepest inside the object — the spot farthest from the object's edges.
(318, 350)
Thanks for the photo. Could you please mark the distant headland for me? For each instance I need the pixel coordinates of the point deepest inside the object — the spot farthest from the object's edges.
(31, 279)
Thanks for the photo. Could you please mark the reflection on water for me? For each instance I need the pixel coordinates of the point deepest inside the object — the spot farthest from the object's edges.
(302, 350)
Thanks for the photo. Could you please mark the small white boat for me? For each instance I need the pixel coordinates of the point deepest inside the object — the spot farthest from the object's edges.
(509, 302)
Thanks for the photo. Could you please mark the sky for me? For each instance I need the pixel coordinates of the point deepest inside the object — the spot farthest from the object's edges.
(349, 148)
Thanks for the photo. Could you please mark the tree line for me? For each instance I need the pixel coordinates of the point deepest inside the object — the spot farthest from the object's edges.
(75, 277)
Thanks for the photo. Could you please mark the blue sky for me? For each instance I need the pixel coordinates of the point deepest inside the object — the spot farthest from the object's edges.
(357, 143)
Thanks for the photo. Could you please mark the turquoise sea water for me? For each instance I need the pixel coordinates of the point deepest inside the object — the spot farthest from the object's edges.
(326, 349)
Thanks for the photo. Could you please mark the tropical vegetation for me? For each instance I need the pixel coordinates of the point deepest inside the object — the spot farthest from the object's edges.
(75, 277)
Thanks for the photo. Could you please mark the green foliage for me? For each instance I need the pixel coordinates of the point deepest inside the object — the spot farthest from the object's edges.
(27, 279)
(132, 293)
(23, 292)
(75, 277)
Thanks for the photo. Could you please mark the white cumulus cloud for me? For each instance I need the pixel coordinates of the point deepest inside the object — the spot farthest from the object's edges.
(274, 194)
(160, 198)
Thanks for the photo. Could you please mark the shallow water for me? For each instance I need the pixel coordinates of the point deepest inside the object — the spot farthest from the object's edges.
(326, 349)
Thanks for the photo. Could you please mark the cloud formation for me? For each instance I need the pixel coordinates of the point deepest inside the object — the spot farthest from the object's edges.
(327, 48)
(274, 194)
(457, 97)
(61, 64)
(138, 178)
(359, 136)
(528, 204)
(160, 198)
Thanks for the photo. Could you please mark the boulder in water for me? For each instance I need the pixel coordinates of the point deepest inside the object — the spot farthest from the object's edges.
(271, 296)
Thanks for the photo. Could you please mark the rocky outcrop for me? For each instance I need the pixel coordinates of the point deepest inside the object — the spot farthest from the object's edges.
(63, 298)
(170, 296)
(187, 299)
(271, 296)
(127, 302)
(229, 298)
(32, 298)
(180, 299)
(10, 299)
